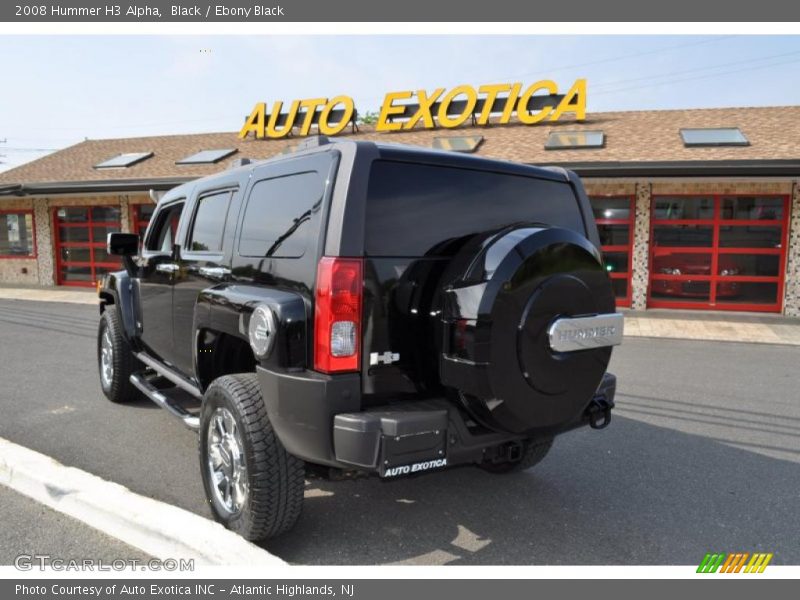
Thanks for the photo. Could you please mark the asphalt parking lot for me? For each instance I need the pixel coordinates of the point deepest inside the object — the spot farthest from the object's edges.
(703, 455)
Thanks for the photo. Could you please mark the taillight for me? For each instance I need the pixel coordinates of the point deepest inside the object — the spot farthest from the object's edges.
(337, 315)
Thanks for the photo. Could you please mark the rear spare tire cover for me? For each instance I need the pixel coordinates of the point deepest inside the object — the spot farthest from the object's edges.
(501, 293)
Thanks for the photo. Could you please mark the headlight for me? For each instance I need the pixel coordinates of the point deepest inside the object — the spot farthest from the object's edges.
(726, 272)
(262, 330)
(669, 271)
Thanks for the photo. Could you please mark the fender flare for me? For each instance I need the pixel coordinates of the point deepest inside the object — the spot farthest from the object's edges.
(124, 292)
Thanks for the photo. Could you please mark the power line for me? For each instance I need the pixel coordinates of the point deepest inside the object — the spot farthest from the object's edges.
(31, 149)
(623, 57)
(695, 70)
(696, 77)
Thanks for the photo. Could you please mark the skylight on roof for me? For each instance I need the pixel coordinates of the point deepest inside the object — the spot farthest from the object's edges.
(464, 143)
(123, 160)
(206, 157)
(565, 140)
(714, 136)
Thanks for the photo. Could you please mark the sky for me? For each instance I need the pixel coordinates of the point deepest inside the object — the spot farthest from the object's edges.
(59, 91)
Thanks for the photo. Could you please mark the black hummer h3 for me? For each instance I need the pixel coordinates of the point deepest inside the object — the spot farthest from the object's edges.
(362, 308)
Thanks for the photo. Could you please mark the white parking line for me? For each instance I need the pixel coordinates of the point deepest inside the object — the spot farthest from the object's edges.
(159, 529)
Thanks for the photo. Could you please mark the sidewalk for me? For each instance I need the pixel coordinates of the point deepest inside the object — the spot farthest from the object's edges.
(714, 326)
(70, 295)
(675, 324)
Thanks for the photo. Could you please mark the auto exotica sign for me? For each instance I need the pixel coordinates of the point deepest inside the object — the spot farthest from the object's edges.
(406, 110)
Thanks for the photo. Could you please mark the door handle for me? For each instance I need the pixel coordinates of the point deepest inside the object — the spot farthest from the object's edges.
(217, 272)
(167, 267)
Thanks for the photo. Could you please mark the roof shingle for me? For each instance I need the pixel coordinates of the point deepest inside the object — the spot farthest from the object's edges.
(635, 136)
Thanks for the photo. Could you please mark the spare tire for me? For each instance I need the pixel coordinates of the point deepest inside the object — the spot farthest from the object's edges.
(501, 293)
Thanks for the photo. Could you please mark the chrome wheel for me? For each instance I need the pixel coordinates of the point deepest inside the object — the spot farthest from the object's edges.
(106, 359)
(226, 463)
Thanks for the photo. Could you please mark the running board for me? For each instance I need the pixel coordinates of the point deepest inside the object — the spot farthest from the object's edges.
(143, 385)
(169, 374)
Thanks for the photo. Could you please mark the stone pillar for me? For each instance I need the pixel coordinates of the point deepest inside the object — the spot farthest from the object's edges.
(640, 271)
(791, 290)
(124, 214)
(44, 242)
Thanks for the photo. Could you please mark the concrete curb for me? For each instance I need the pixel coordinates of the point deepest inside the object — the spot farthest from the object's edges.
(159, 529)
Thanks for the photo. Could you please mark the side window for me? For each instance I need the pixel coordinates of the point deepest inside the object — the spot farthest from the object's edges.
(278, 213)
(162, 236)
(209, 223)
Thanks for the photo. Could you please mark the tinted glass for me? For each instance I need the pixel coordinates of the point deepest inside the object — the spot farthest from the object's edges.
(747, 292)
(71, 254)
(123, 160)
(749, 236)
(145, 211)
(614, 235)
(412, 209)
(752, 208)
(279, 213)
(162, 236)
(73, 214)
(467, 144)
(683, 236)
(724, 136)
(681, 263)
(678, 207)
(209, 223)
(16, 234)
(73, 234)
(575, 139)
(616, 262)
(100, 232)
(105, 213)
(759, 265)
(76, 273)
(620, 287)
(611, 207)
(206, 157)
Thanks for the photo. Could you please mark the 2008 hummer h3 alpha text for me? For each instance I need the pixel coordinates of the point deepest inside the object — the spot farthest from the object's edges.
(358, 307)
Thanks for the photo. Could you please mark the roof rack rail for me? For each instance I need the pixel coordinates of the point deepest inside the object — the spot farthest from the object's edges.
(239, 162)
(313, 141)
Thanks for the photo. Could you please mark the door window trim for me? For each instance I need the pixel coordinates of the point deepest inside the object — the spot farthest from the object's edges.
(185, 251)
(151, 228)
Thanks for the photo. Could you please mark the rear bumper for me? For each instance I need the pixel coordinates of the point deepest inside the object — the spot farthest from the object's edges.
(319, 419)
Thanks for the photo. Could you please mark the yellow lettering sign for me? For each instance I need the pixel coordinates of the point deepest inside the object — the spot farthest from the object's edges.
(404, 110)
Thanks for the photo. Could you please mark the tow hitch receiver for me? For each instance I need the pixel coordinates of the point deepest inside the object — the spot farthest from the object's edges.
(599, 410)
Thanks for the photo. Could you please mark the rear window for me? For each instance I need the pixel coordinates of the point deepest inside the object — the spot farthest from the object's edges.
(412, 208)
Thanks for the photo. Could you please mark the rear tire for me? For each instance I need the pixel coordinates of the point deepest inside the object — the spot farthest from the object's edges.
(115, 360)
(253, 486)
(532, 454)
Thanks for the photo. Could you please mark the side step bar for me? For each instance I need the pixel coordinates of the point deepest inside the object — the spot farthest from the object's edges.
(144, 386)
(168, 373)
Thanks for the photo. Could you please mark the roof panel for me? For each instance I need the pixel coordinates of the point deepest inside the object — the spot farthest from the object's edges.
(462, 143)
(123, 160)
(564, 140)
(714, 136)
(206, 157)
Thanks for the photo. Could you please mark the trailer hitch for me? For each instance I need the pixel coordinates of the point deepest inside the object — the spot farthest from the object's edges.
(599, 412)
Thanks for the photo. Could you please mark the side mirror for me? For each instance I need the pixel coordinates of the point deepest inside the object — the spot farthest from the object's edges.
(122, 244)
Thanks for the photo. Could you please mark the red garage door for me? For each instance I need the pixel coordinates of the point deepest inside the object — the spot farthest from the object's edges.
(615, 217)
(718, 252)
(80, 243)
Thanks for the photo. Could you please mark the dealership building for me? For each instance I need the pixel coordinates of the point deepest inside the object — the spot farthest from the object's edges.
(697, 209)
